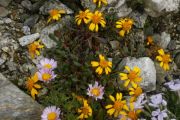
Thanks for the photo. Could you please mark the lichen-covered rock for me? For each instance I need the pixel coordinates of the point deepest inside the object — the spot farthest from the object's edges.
(25, 40)
(163, 39)
(54, 4)
(5, 3)
(15, 104)
(44, 35)
(148, 71)
(3, 12)
(156, 8)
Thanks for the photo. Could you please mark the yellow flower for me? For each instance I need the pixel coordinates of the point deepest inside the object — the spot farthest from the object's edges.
(99, 2)
(31, 85)
(118, 107)
(83, 16)
(85, 111)
(125, 25)
(132, 113)
(55, 14)
(164, 59)
(150, 40)
(135, 91)
(34, 48)
(102, 65)
(96, 19)
(133, 76)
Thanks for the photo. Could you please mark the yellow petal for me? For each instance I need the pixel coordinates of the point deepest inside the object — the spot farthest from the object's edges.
(110, 111)
(121, 33)
(161, 52)
(94, 64)
(127, 68)
(109, 106)
(92, 26)
(112, 98)
(125, 107)
(123, 76)
(159, 58)
(101, 57)
(99, 70)
(79, 21)
(37, 86)
(126, 83)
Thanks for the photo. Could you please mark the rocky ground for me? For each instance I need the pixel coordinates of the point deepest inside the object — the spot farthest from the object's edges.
(24, 21)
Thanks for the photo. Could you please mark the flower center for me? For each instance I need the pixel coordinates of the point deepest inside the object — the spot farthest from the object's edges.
(118, 105)
(30, 84)
(103, 63)
(54, 12)
(96, 19)
(46, 76)
(165, 58)
(127, 25)
(32, 47)
(82, 15)
(85, 110)
(138, 91)
(132, 75)
(95, 92)
(52, 116)
(132, 115)
(49, 66)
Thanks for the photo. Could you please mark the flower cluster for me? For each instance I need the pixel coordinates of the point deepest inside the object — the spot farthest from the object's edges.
(44, 74)
(93, 19)
(34, 48)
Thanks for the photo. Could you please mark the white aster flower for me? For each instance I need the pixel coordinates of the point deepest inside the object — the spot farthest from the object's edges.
(51, 113)
(95, 91)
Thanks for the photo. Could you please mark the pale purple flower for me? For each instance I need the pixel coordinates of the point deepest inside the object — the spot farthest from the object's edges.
(47, 64)
(139, 104)
(51, 113)
(96, 91)
(173, 85)
(157, 100)
(159, 115)
(46, 75)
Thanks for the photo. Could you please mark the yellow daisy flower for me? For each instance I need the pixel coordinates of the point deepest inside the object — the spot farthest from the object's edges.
(100, 1)
(55, 14)
(135, 91)
(96, 19)
(118, 107)
(102, 65)
(150, 40)
(83, 16)
(31, 85)
(132, 113)
(86, 110)
(34, 48)
(133, 76)
(164, 59)
(125, 25)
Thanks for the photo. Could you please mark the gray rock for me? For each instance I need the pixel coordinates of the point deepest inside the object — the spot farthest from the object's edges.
(11, 66)
(15, 104)
(31, 21)
(148, 71)
(172, 45)
(54, 5)
(27, 4)
(177, 60)
(122, 9)
(140, 19)
(26, 30)
(7, 20)
(5, 3)
(88, 4)
(178, 28)
(3, 12)
(114, 44)
(49, 43)
(165, 39)
(25, 40)
(156, 8)
(1, 61)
